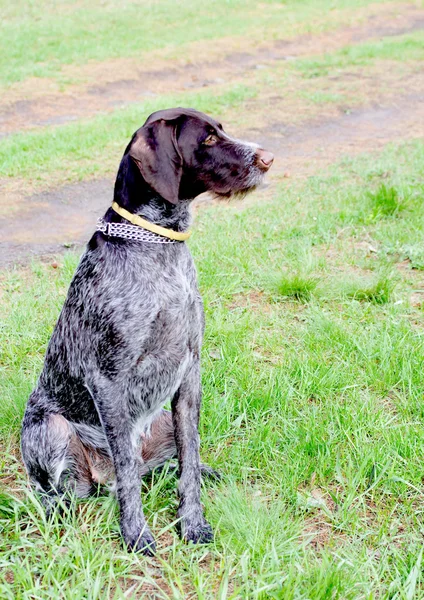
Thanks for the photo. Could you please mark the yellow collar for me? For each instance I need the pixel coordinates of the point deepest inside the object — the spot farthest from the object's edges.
(180, 236)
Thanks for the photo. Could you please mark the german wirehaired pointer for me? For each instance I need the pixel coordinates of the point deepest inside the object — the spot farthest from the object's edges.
(129, 335)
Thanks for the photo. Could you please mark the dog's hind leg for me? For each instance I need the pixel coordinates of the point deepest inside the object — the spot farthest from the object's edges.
(45, 442)
(159, 446)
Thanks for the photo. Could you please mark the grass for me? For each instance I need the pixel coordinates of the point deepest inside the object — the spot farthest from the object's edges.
(415, 255)
(386, 201)
(298, 287)
(312, 410)
(36, 43)
(378, 292)
(402, 48)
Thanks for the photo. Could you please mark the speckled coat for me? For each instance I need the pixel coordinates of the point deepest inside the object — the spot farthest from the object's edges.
(129, 336)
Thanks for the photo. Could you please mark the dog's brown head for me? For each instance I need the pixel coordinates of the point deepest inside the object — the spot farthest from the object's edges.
(181, 153)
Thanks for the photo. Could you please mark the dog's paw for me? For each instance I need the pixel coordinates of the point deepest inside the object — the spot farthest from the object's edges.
(143, 543)
(198, 532)
(208, 473)
(55, 506)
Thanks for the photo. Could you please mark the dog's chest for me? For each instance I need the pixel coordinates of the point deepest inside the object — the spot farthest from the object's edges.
(172, 344)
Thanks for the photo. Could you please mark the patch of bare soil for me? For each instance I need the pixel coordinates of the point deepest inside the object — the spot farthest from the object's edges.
(122, 82)
(66, 217)
(55, 220)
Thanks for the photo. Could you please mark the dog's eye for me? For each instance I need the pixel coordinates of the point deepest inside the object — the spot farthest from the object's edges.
(210, 140)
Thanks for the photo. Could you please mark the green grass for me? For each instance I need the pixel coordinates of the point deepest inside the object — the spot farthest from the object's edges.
(415, 254)
(378, 292)
(38, 38)
(312, 408)
(298, 287)
(408, 47)
(387, 201)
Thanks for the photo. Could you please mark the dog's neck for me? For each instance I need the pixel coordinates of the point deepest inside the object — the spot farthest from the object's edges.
(134, 194)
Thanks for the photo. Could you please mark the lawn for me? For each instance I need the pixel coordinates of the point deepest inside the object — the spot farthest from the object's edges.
(313, 360)
(38, 39)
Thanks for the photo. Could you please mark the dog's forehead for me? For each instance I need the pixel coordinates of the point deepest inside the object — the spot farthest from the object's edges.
(171, 114)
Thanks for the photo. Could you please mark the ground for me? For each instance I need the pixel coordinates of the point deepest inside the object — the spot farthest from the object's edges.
(314, 288)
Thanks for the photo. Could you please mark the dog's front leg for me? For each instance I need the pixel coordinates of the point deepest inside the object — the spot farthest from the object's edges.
(128, 469)
(185, 413)
(127, 462)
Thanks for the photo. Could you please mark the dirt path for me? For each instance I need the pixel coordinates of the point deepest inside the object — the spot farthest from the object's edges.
(66, 217)
(134, 84)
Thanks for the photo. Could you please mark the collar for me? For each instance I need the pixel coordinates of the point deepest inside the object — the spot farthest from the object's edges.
(132, 232)
(178, 236)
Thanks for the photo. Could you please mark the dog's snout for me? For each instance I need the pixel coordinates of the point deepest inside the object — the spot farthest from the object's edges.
(265, 159)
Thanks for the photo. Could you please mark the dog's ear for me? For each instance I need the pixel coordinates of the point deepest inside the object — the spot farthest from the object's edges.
(156, 153)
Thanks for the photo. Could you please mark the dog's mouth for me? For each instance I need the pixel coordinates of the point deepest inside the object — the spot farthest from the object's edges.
(236, 194)
(255, 180)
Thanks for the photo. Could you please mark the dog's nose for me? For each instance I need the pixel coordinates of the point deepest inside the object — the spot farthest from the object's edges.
(265, 159)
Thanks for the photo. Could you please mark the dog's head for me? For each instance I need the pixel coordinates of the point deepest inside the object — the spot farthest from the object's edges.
(181, 153)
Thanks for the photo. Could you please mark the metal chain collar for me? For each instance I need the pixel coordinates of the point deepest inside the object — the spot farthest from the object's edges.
(131, 232)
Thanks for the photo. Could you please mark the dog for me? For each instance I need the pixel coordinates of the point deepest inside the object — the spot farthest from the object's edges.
(129, 335)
